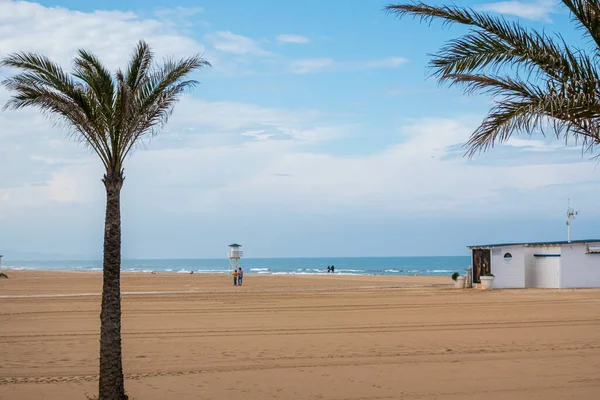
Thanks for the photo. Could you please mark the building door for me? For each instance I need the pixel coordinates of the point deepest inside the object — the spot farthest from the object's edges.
(544, 271)
(481, 264)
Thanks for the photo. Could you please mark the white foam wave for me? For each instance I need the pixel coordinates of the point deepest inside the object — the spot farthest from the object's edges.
(212, 271)
(218, 269)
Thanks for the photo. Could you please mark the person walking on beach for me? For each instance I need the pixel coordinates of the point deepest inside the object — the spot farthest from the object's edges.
(240, 276)
(235, 277)
(332, 269)
(328, 269)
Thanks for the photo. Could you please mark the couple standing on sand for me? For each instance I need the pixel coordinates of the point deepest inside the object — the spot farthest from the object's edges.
(330, 269)
(238, 274)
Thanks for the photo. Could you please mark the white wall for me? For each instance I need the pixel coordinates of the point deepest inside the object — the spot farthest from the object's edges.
(542, 272)
(579, 269)
(509, 274)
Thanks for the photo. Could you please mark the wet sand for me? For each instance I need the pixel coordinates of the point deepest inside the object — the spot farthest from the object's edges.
(300, 337)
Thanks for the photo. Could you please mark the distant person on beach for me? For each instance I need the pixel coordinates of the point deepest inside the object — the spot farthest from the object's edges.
(240, 276)
(235, 277)
(328, 269)
(333, 269)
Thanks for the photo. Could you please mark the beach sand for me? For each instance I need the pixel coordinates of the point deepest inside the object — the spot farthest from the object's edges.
(300, 337)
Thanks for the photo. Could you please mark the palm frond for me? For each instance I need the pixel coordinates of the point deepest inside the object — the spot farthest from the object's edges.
(139, 65)
(157, 96)
(100, 89)
(45, 85)
(532, 116)
(524, 107)
(560, 87)
(494, 42)
(586, 14)
(48, 72)
(502, 121)
(109, 113)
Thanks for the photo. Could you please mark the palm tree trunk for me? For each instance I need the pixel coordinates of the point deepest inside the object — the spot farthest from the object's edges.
(111, 386)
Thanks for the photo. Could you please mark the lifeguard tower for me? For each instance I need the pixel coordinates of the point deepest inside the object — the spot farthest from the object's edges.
(235, 254)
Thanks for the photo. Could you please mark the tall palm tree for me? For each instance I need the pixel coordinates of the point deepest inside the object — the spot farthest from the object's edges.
(538, 81)
(111, 114)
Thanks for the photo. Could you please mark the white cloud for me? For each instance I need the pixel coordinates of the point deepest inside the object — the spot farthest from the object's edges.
(536, 10)
(59, 32)
(229, 116)
(310, 65)
(179, 12)
(229, 42)
(293, 39)
(233, 150)
(390, 62)
(538, 145)
(314, 65)
(408, 175)
(181, 18)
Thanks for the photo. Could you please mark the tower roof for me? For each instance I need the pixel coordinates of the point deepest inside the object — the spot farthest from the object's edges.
(235, 245)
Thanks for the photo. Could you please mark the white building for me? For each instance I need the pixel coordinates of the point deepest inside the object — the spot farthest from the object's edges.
(574, 264)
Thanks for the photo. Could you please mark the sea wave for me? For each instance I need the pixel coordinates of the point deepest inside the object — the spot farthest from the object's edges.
(393, 267)
(212, 271)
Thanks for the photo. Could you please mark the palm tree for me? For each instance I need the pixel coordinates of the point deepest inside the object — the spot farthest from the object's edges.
(111, 114)
(538, 81)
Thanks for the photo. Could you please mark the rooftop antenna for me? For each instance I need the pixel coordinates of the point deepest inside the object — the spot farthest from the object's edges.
(571, 213)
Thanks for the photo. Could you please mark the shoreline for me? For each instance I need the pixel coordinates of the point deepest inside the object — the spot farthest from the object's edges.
(25, 283)
(200, 272)
(253, 272)
(360, 266)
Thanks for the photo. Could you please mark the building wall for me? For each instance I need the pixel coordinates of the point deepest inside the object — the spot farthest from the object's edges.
(579, 269)
(529, 265)
(542, 272)
(509, 274)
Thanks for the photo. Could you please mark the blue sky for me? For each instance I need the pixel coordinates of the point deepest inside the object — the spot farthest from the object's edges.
(315, 133)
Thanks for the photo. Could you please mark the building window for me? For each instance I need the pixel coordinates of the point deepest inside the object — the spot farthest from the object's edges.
(507, 257)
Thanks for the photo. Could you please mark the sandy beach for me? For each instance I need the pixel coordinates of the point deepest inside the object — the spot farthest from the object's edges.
(300, 337)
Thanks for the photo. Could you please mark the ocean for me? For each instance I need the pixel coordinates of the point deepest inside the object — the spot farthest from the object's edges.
(428, 266)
